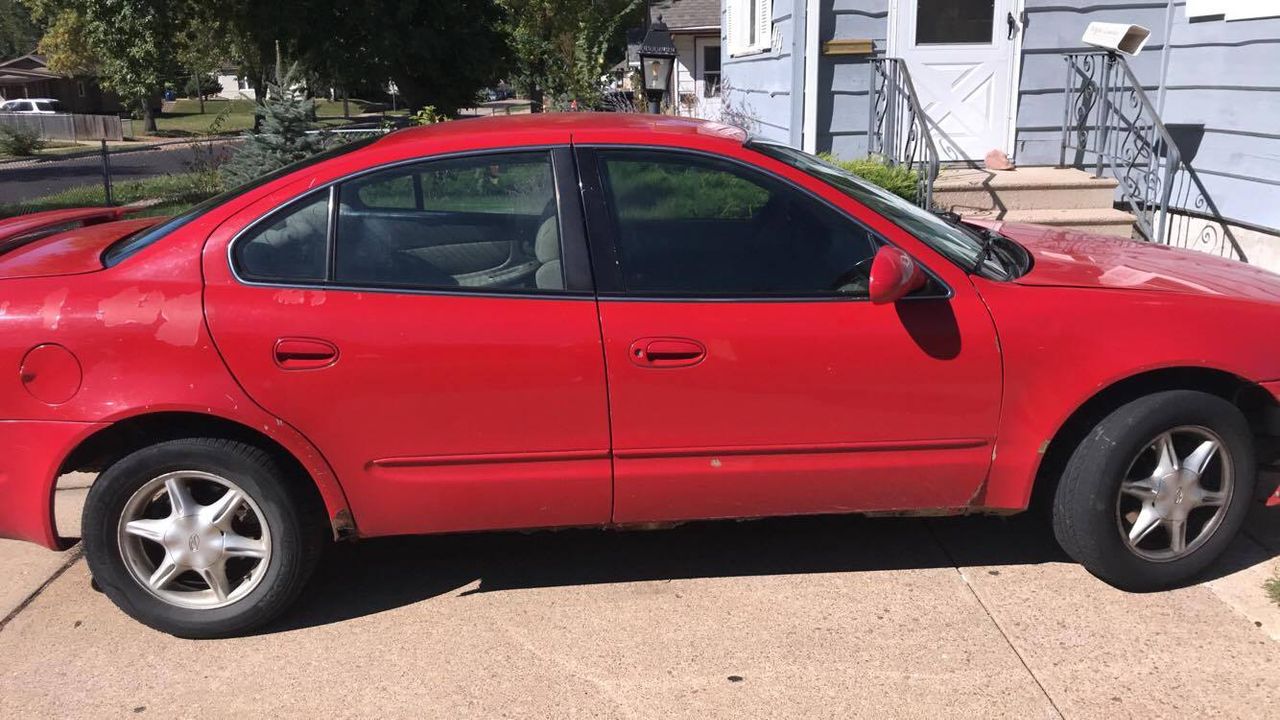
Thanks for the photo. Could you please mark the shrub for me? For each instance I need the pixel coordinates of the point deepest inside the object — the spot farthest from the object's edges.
(283, 135)
(897, 179)
(19, 141)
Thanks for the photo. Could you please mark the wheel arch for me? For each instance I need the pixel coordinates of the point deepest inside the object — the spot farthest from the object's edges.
(1257, 404)
(110, 444)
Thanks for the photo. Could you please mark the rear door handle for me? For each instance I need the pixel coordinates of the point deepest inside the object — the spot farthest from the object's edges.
(304, 353)
(667, 352)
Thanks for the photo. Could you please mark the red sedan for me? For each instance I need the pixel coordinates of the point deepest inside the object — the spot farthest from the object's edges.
(605, 320)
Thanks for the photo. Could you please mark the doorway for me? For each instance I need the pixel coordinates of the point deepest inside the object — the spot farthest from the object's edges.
(962, 55)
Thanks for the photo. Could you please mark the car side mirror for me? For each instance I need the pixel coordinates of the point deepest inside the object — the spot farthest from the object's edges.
(894, 275)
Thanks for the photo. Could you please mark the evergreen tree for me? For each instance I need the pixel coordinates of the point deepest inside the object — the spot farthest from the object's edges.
(284, 119)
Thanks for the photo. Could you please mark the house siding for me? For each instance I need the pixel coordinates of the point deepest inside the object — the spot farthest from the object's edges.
(757, 88)
(844, 81)
(1222, 93)
(1214, 82)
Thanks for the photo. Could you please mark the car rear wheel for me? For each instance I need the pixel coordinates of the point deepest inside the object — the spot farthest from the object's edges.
(1157, 490)
(200, 537)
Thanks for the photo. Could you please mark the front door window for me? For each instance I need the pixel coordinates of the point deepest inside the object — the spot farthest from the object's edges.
(695, 226)
(950, 22)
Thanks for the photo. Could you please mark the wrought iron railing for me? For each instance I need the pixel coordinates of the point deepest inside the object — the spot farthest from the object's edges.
(1110, 125)
(899, 130)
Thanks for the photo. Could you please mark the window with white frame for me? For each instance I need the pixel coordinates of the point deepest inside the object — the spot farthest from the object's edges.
(748, 26)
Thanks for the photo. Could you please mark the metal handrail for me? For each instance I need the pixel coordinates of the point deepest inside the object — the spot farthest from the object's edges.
(1109, 122)
(898, 130)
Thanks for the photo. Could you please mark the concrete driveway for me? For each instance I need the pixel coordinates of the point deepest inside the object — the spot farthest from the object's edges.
(822, 617)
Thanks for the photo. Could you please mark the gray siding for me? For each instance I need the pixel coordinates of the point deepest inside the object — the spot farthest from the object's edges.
(757, 88)
(1054, 27)
(844, 80)
(1222, 92)
(1215, 82)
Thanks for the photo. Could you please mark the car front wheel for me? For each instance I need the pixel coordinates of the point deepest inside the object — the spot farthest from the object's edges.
(200, 537)
(1157, 490)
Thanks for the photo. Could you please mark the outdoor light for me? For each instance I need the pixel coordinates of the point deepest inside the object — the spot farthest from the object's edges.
(657, 56)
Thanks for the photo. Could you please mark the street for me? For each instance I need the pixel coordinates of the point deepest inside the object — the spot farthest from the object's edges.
(807, 617)
(24, 180)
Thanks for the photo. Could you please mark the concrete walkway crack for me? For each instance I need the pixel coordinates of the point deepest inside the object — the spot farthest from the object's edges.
(72, 556)
(1008, 641)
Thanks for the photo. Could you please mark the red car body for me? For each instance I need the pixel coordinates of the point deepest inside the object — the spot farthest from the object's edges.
(434, 412)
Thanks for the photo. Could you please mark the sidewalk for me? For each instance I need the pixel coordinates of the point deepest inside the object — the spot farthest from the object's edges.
(821, 617)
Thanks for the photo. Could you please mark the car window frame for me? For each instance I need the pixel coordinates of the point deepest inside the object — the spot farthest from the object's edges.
(602, 230)
(574, 255)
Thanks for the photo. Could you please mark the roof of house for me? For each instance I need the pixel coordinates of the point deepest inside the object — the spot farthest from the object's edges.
(30, 61)
(687, 14)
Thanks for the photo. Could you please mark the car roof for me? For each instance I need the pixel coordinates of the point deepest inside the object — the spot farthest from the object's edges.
(558, 127)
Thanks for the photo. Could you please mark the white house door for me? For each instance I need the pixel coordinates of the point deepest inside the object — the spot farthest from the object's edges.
(706, 76)
(962, 55)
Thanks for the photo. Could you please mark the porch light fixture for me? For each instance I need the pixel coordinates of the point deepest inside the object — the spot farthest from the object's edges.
(657, 56)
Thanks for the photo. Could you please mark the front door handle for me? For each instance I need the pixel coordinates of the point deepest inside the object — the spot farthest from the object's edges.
(304, 353)
(667, 352)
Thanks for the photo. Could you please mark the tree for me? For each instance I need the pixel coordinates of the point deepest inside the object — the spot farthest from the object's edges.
(561, 46)
(128, 43)
(438, 52)
(18, 30)
(285, 118)
(203, 46)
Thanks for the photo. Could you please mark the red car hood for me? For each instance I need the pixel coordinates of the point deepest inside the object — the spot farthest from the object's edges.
(1066, 258)
(70, 252)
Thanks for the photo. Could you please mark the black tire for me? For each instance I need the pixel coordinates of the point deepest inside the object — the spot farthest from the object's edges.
(1085, 501)
(294, 516)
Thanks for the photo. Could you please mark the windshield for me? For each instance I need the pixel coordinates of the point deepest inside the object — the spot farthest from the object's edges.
(133, 243)
(958, 245)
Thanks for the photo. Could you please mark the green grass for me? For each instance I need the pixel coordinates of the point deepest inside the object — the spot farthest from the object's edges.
(175, 193)
(184, 117)
(52, 148)
(1272, 587)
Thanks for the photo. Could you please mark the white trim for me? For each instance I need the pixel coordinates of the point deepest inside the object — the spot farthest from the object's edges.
(1015, 77)
(737, 33)
(812, 19)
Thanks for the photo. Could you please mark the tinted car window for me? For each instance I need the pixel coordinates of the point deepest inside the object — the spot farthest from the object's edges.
(479, 223)
(291, 245)
(693, 225)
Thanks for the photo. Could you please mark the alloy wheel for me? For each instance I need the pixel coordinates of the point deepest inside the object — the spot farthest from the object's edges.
(1175, 494)
(194, 539)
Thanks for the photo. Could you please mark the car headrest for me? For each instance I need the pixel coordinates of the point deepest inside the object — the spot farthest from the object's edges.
(546, 245)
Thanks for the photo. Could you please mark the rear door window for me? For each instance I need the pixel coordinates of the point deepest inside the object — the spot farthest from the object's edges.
(479, 223)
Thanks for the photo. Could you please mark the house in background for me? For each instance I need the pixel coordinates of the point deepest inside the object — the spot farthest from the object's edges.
(234, 85)
(30, 76)
(695, 29)
(991, 74)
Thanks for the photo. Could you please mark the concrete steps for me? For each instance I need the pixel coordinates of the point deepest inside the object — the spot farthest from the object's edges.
(1060, 197)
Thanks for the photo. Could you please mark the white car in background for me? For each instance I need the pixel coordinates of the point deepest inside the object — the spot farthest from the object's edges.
(41, 106)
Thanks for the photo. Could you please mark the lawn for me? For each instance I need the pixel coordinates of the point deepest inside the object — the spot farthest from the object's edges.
(184, 117)
(174, 193)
